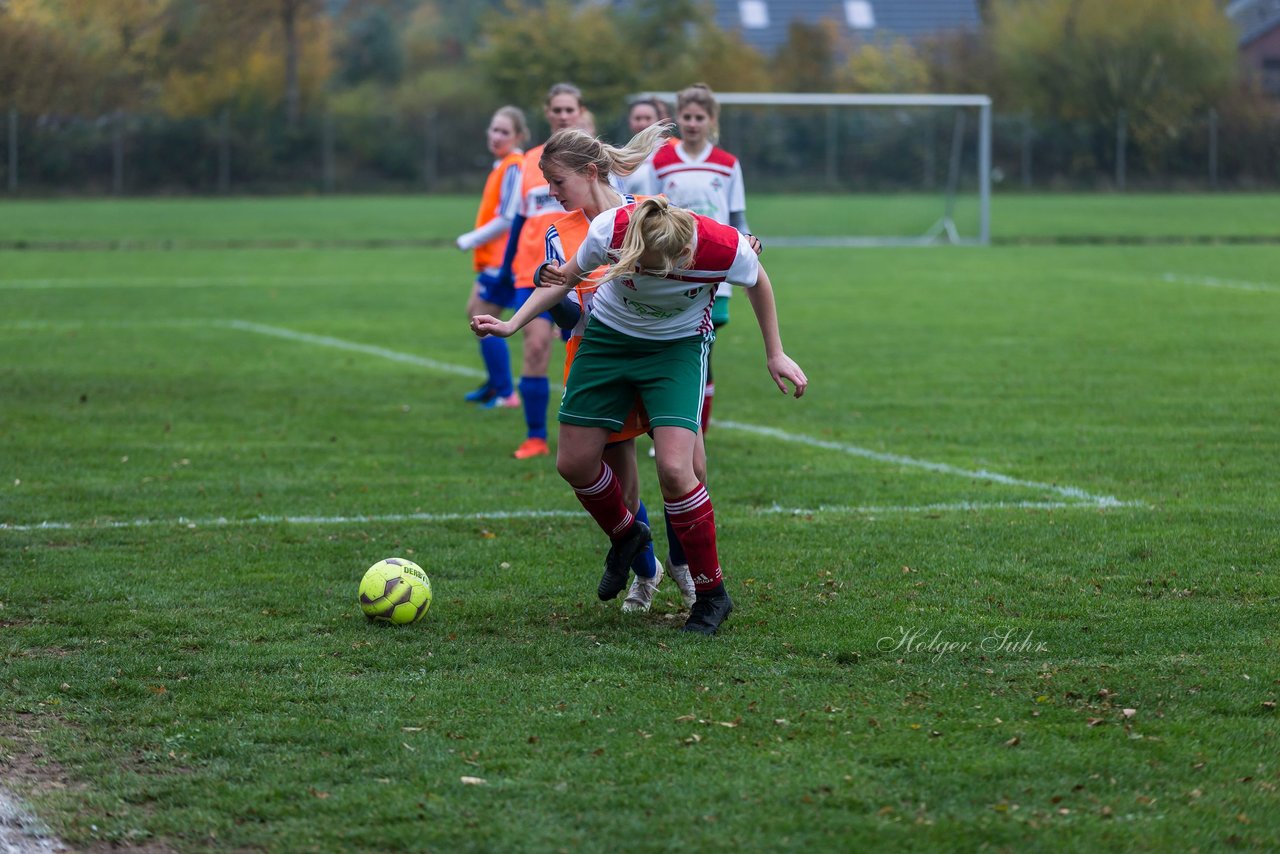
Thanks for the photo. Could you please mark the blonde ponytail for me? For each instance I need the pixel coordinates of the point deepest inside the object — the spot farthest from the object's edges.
(655, 224)
(574, 149)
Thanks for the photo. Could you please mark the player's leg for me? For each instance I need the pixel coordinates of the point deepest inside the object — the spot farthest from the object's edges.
(535, 390)
(676, 564)
(596, 402)
(719, 317)
(621, 457)
(487, 297)
(673, 397)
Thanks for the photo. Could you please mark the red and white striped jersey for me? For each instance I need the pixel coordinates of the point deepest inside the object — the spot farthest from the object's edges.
(677, 305)
(710, 184)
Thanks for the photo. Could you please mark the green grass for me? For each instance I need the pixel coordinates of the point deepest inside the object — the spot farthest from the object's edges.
(197, 670)
(1014, 216)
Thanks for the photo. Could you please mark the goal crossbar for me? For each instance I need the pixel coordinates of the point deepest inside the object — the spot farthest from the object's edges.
(849, 99)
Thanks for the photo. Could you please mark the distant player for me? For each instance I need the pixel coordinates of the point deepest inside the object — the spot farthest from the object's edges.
(643, 113)
(698, 176)
(526, 249)
(498, 205)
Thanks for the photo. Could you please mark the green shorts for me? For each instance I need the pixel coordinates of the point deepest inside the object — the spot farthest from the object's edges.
(611, 369)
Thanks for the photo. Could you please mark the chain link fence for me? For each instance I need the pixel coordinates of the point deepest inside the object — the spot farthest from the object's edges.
(781, 150)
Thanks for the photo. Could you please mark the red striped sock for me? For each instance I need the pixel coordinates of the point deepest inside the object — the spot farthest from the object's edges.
(694, 521)
(603, 500)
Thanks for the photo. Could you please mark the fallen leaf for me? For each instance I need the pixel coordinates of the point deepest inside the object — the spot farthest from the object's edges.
(473, 781)
(1013, 742)
(1095, 721)
(1128, 713)
(686, 718)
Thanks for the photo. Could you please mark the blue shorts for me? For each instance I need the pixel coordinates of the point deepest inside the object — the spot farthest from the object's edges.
(522, 296)
(492, 291)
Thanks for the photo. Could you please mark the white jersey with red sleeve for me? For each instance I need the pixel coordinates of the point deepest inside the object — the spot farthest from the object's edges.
(677, 305)
(709, 184)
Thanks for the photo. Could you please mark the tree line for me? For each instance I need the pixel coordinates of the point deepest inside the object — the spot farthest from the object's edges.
(402, 88)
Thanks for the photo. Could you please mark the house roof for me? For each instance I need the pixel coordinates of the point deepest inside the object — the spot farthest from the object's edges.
(764, 24)
(1255, 18)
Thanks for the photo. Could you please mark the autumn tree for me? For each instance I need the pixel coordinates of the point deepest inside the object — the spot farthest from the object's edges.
(247, 52)
(807, 61)
(1087, 60)
(101, 56)
(526, 50)
(893, 66)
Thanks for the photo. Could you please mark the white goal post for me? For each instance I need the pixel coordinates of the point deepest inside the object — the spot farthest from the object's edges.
(944, 228)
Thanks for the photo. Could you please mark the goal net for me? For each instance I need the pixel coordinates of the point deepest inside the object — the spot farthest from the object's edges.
(864, 170)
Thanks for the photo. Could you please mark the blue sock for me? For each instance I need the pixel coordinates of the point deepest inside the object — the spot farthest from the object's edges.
(674, 549)
(536, 392)
(643, 563)
(497, 361)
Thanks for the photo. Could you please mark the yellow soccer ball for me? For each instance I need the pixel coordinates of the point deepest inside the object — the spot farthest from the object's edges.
(395, 591)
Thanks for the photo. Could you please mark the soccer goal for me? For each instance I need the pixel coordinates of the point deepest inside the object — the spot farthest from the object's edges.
(868, 170)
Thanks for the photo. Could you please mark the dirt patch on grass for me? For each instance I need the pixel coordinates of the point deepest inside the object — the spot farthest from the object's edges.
(26, 770)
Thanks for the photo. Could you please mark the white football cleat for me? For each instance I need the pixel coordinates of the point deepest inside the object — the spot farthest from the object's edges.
(640, 596)
(679, 572)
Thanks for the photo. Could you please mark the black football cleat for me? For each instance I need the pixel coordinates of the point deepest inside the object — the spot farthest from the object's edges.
(617, 564)
(708, 612)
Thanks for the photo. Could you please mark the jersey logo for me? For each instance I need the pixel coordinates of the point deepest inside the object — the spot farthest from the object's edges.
(627, 282)
(693, 293)
(646, 310)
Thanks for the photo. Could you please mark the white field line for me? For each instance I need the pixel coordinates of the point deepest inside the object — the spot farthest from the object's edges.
(1095, 276)
(201, 281)
(428, 518)
(352, 346)
(1078, 498)
(1072, 492)
(1213, 282)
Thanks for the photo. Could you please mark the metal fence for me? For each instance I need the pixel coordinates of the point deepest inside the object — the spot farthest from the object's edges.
(781, 149)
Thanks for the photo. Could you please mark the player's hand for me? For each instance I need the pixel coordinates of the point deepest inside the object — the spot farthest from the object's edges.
(782, 368)
(487, 324)
(463, 242)
(755, 244)
(552, 276)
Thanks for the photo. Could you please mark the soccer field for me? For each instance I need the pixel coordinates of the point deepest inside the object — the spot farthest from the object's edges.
(1005, 576)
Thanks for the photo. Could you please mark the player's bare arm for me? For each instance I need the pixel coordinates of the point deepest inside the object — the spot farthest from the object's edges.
(541, 300)
(782, 367)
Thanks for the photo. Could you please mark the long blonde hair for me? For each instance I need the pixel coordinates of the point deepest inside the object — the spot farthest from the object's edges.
(658, 225)
(575, 149)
